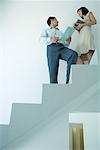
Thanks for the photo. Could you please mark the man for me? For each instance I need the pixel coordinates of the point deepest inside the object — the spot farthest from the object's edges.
(56, 50)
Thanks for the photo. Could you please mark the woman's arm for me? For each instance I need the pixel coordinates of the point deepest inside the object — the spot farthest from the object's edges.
(92, 20)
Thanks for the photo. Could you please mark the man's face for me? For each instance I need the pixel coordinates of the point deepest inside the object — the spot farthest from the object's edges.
(54, 22)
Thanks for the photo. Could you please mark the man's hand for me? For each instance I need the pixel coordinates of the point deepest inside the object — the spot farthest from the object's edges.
(68, 40)
(54, 39)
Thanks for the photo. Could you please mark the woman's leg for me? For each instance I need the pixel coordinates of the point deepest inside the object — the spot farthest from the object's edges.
(79, 61)
(84, 58)
(89, 55)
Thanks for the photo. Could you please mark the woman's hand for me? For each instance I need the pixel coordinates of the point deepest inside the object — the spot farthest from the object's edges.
(79, 26)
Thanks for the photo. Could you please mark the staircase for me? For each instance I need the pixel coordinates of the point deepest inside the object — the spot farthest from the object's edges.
(27, 90)
(55, 99)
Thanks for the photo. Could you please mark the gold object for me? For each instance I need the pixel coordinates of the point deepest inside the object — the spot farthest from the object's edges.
(76, 136)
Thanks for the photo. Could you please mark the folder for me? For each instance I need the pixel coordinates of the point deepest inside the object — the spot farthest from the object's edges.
(68, 33)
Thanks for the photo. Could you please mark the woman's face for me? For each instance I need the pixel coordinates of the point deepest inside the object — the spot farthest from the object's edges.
(80, 13)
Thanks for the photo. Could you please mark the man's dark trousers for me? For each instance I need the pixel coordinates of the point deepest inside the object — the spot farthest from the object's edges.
(58, 51)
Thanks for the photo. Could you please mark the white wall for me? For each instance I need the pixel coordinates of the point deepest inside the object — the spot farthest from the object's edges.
(52, 135)
(23, 63)
(99, 128)
(91, 127)
(23, 57)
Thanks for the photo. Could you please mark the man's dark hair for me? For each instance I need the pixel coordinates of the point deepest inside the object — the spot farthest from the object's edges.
(84, 10)
(49, 20)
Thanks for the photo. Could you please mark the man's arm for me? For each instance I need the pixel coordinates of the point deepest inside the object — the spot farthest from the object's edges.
(45, 38)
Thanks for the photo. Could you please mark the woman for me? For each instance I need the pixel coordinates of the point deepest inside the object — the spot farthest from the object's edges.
(85, 47)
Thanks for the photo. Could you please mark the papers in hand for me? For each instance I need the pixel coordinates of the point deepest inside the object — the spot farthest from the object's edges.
(77, 23)
(68, 33)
